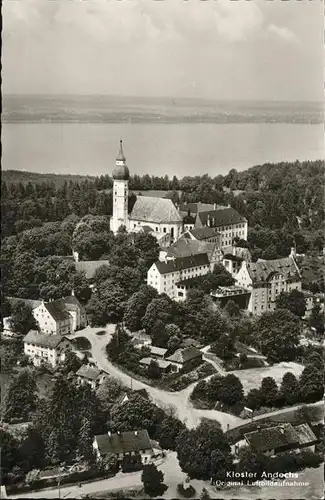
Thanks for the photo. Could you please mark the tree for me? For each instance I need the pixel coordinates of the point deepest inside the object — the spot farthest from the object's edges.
(137, 413)
(71, 362)
(107, 304)
(169, 429)
(136, 306)
(232, 309)
(311, 384)
(195, 449)
(223, 347)
(21, 398)
(289, 391)
(154, 371)
(231, 391)
(148, 248)
(269, 391)
(277, 335)
(152, 480)
(109, 391)
(204, 494)
(159, 334)
(9, 452)
(294, 301)
(253, 399)
(316, 319)
(22, 319)
(252, 462)
(85, 441)
(33, 476)
(117, 343)
(161, 309)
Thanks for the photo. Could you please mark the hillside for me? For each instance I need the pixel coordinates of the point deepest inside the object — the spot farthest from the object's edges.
(16, 176)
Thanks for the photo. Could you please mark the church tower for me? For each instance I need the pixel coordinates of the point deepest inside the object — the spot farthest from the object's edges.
(121, 177)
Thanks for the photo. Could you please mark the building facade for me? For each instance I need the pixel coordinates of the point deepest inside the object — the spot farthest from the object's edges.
(164, 276)
(45, 349)
(266, 279)
(53, 318)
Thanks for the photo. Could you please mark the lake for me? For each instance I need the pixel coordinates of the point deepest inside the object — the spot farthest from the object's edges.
(156, 148)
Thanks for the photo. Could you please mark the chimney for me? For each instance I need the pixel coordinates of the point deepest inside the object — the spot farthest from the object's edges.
(72, 292)
(214, 206)
(118, 433)
(109, 433)
(208, 221)
(135, 433)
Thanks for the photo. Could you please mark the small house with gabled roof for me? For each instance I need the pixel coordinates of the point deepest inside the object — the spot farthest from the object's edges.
(124, 444)
(44, 348)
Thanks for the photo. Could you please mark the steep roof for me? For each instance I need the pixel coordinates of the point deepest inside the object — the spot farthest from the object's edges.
(305, 434)
(203, 233)
(90, 266)
(184, 247)
(88, 372)
(183, 355)
(157, 351)
(30, 302)
(57, 310)
(124, 442)
(221, 217)
(156, 210)
(181, 263)
(160, 362)
(43, 339)
(272, 437)
(262, 270)
(72, 299)
(195, 208)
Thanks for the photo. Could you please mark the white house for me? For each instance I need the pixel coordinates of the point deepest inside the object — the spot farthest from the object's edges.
(267, 279)
(61, 317)
(92, 376)
(44, 348)
(124, 444)
(164, 276)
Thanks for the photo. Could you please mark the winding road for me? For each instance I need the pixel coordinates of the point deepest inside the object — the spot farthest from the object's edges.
(179, 400)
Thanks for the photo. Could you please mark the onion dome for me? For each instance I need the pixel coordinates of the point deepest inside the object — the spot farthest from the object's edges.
(121, 171)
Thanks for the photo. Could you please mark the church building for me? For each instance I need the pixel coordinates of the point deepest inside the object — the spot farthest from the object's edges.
(156, 215)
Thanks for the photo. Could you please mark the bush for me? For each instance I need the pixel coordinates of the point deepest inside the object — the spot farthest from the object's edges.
(188, 492)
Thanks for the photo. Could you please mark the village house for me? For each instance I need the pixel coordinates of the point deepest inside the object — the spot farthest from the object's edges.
(124, 444)
(186, 359)
(42, 348)
(61, 316)
(278, 439)
(163, 276)
(266, 279)
(157, 352)
(90, 375)
(165, 366)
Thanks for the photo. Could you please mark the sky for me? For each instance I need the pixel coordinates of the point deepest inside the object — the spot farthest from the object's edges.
(213, 49)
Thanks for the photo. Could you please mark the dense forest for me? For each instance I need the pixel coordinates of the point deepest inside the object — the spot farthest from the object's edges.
(283, 204)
